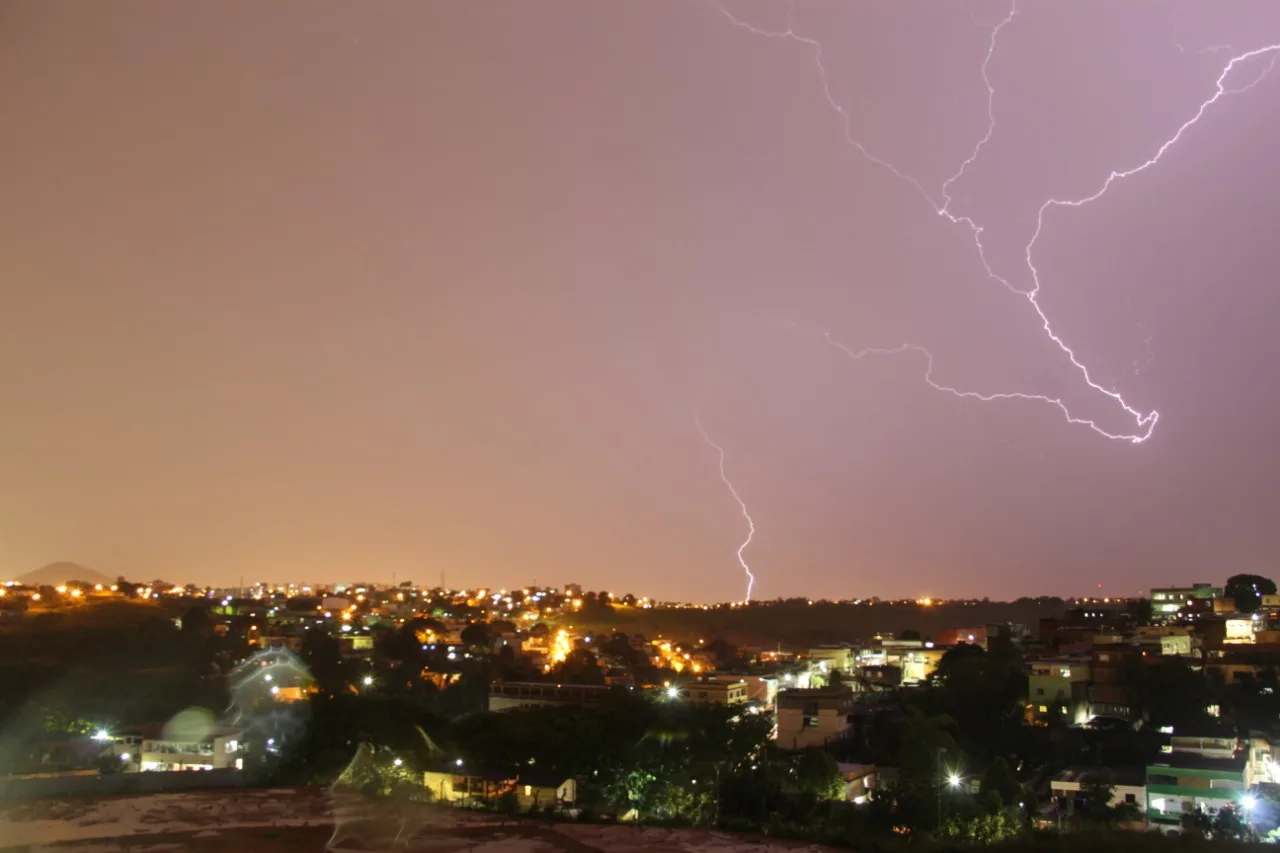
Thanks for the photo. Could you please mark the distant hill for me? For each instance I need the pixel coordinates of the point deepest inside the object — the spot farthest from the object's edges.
(56, 573)
(797, 624)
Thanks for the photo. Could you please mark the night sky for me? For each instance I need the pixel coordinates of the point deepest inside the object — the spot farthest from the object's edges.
(316, 290)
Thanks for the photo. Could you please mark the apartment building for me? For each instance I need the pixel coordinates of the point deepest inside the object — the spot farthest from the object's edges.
(1058, 687)
(509, 695)
(1167, 601)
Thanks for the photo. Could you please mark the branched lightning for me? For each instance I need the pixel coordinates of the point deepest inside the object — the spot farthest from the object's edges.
(742, 505)
(1144, 424)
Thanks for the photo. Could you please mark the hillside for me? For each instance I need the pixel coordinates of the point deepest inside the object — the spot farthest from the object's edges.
(798, 624)
(101, 615)
(58, 573)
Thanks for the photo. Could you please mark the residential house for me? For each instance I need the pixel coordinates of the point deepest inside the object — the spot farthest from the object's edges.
(1166, 640)
(1183, 783)
(1111, 693)
(540, 790)
(1256, 662)
(956, 636)
(1239, 629)
(356, 645)
(1262, 759)
(218, 749)
(918, 665)
(859, 782)
(715, 690)
(275, 640)
(814, 717)
(885, 676)
(833, 659)
(463, 784)
(1210, 740)
(762, 689)
(1130, 787)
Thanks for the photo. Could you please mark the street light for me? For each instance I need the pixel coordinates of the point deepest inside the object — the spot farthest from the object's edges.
(1248, 803)
(954, 780)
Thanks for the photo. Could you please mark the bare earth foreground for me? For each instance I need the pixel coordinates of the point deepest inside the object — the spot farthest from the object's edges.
(302, 820)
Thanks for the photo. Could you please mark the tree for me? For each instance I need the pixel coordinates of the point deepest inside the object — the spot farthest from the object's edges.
(322, 653)
(983, 829)
(1140, 610)
(196, 621)
(1000, 786)
(1196, 823)
(985, 693)
(579, 667)
(1098, 791)
(475, 634)
(1247, 591)
(1228, 826)
(619, 648)
(817, 773)
(927, 751)
(1174, 694)
(954, 659)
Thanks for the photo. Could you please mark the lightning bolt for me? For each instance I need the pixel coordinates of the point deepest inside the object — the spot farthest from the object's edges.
(742, 505)
(1143, 423)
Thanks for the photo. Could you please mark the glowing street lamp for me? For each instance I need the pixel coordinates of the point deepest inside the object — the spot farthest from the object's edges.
(953, 780)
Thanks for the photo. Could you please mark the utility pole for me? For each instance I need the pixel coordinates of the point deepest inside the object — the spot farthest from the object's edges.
(716, 819)
(941, 751)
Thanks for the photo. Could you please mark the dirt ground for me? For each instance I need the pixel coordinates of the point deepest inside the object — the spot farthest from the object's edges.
(304, 821)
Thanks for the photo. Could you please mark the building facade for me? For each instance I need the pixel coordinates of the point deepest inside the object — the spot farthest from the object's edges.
(1183, 784)
(509, 695)
(814, 717)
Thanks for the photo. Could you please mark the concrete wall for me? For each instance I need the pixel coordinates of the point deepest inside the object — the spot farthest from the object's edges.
(15, 788)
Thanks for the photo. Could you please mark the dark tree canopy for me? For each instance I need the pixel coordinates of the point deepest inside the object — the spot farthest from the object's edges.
(1247, 591)
(475, 634)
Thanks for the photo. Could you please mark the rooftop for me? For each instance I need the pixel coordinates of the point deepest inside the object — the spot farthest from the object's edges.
(1192, 761)
(1133, 776)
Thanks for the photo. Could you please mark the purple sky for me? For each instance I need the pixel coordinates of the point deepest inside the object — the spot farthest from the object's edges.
(320, 290)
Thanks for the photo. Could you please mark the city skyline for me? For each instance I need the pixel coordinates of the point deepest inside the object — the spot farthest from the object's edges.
(323, 289)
